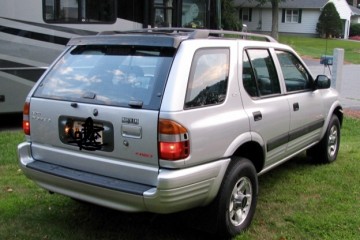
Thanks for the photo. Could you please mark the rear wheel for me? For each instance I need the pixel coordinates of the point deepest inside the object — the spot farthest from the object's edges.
(236, 201)
(327, 149)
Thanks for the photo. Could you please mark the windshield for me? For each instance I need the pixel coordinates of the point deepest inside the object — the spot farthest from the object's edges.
(109, 75)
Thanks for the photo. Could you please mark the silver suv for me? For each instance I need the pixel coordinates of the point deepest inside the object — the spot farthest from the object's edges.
(164, 120)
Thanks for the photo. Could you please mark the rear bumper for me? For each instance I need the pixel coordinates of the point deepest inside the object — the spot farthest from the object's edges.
(176, 190)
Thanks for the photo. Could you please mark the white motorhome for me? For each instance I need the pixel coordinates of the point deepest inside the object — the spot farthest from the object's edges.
(34, 32)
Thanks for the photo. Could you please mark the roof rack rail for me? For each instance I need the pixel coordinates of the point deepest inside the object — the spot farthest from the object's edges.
(244, 35)
(171, 31)
(194, 33)
(108, 32)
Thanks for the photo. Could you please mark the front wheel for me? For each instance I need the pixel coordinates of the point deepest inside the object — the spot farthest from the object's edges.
(327, 149)
(236, 201)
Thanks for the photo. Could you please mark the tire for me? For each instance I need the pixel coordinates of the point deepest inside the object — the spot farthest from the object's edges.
(236, 202)
(327, 149)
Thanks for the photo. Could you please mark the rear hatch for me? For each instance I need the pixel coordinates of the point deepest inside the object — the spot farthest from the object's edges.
(97, 110)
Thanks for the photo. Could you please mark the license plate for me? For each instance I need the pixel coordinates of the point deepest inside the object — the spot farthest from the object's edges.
(88, 133)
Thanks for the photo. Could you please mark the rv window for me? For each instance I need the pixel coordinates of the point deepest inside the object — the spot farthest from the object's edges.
(79, 11)
(194, 13)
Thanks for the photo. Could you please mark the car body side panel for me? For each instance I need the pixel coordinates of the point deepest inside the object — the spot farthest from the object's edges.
(215, 127)
(273, 127)
(269, 118)
(307, 120)
(174, 95)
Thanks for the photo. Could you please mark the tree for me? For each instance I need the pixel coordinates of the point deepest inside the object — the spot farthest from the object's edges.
(230, 20)
(275, 16)
(355, 29)
(329, 24)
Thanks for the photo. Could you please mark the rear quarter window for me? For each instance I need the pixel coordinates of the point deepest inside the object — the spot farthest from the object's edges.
(208, 78)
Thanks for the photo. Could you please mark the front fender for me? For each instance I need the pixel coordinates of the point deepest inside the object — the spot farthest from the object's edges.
(335, 108)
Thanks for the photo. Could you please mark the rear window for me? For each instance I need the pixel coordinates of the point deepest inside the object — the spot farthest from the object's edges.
(128, 76)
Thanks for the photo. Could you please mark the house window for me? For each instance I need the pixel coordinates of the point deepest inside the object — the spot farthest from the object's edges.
(291, 15)
(245, 14)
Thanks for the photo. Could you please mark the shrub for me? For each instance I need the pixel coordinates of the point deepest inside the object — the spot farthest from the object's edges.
(329, 24)
(230, 19)
(355, 29)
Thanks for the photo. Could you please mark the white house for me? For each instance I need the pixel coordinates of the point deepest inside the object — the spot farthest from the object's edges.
(295, 16)
(355, 18)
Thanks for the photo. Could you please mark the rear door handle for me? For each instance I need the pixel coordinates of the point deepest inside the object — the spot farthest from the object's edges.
(296, 107)
(257, 116)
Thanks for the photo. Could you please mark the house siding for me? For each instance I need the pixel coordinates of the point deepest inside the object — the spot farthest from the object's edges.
(308, 23)
(261, 20)
(309, 19)
(267, 20)
(255, 18)
(355, 19)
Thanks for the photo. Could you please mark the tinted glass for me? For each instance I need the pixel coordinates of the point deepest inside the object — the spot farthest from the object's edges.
(248, 78)
(264, 71)
(208, 78)
(109, 75)
(295, 76)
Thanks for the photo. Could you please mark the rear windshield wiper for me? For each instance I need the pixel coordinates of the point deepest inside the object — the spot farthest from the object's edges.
(135, 103)
(89, 95)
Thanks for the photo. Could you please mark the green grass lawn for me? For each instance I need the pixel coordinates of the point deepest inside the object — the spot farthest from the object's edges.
(316, 47)
(297, 200)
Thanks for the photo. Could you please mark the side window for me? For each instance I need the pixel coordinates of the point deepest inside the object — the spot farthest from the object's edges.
(249, 78)
(259, 66)
(208, 78)
(295, 75)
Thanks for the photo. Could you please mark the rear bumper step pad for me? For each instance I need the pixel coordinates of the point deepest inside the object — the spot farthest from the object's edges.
(90, 178)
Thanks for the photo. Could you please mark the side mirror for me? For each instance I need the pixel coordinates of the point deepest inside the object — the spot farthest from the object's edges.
(322, 82)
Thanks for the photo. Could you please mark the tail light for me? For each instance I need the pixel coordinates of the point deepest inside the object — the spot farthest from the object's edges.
(26, 118)
(173, 140)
